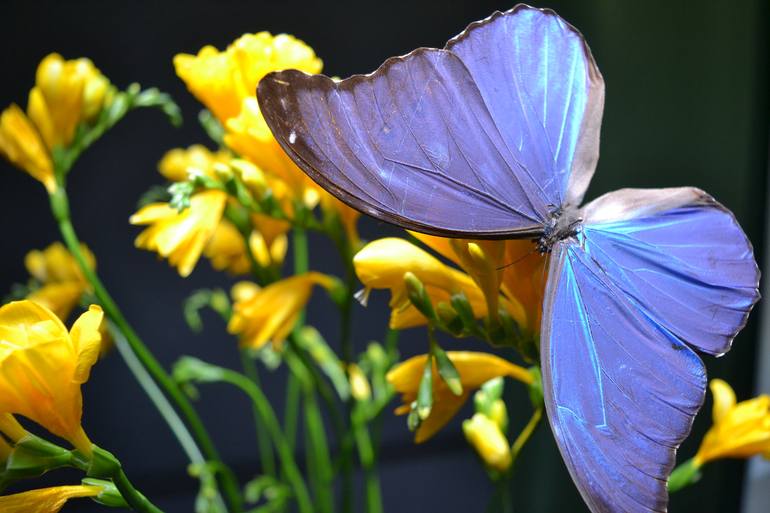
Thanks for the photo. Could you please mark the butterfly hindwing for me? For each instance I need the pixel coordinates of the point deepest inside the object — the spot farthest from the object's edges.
(427, 143)
(621, 382)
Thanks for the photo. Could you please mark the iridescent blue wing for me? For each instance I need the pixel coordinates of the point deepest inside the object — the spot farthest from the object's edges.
(652, 274)
(545, 93)
(423, 142)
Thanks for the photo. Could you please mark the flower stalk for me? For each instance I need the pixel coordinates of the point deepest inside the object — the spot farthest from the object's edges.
(60, 208)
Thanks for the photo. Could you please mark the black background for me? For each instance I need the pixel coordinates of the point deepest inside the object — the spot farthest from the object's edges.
(686, 105)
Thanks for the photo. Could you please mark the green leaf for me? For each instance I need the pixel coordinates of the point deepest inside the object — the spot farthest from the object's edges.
(189, 369)
(418, 296)
(109, 496)
(447, 370)
(536, 388)
(313, 343)
(211, 126)
(463, 308)
(216, 299)
(153, 97)
(155, 194)
(425, 390)
(265, 487)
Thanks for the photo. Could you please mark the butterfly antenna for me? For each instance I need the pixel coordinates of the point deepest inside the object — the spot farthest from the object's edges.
(522, 257)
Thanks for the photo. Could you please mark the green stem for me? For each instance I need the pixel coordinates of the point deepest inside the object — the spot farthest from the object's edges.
(60, 208)
(525, 434)
(263, 441)
(280, 441)
(136, 500)
(162, 404)
(367, 455)
(684, 475)
(291, 412)
(318, 452)
(346, 346)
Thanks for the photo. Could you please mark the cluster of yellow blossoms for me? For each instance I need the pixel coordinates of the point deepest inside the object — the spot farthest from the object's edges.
(66, 94)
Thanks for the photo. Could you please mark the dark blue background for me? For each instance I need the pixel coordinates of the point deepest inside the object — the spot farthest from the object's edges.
(686, 105)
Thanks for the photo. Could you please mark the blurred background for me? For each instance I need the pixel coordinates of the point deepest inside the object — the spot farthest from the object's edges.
(687, 104)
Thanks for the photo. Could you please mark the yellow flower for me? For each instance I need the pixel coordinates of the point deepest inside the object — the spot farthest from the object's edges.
(181, 236)
(226, 83)
(62, 281)
(474, 368)
(268, 241)
(348, 217)
(22, 145)
(177, 164)
(524, 276)
(489, 441)
(11, 428)
(227, 250)
(740, 430)
(359, 385)
(42, 366)
(269, 314)
(513, 267)
(222, 80)
(248, 135)
(383, 263)
(66, 93)
(45, 500)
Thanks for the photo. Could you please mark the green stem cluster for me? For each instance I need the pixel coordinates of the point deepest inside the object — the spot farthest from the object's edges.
(60, 209)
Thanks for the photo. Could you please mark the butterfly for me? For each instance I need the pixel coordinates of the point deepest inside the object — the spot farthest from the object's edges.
(497, 136)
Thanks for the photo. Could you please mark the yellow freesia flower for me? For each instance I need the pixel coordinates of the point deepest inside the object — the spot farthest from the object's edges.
(11, 428)
(489, 441)
(62, 281)
(42, 366)
(22, 145)
(513, 267)
(177, 164)
(45, 500)
(248, 135)
(269, 314)
(222, 80)
(382, 264)
(475, 369)
(740, 430)
(347, 216)
(227, 250)
(181, 236)
(66, 93)
(524, 274)
(268, 243)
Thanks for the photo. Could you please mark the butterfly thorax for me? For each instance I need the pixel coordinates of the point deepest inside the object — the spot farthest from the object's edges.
(562, 224)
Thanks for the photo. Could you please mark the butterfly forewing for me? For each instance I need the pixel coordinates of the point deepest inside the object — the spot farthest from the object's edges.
(418, 144)
(544, 92)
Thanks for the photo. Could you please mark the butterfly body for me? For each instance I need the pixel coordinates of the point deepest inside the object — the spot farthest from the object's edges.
(496, 136)
(561, 225)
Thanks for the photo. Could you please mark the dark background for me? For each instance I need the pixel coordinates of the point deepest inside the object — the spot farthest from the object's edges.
(686, 105)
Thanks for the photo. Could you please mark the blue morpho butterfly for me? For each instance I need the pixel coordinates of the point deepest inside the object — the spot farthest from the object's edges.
(497, 136)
